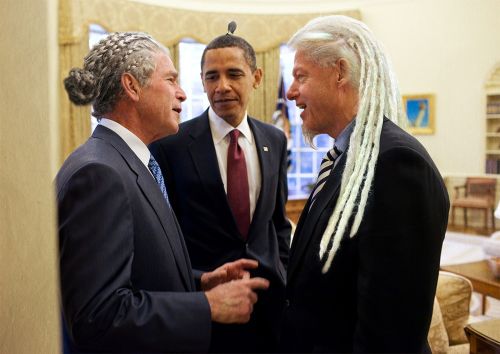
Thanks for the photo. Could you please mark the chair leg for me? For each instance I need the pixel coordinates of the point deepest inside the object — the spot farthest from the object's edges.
(485, 219)
(465, 217)
(493, 219)
(453, 215)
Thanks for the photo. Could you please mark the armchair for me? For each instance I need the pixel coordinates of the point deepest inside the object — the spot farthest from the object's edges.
(450, 314)
(479, 193)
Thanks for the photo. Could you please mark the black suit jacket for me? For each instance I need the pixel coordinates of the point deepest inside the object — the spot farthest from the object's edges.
(189, 162)
(126, 279)
(378, 294)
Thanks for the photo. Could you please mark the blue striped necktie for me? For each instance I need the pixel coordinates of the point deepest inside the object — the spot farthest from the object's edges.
(156, 171)
(324, 171)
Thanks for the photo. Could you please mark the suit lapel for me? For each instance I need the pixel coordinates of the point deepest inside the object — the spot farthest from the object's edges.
(150, 189)
(262, 146)
(306, 227)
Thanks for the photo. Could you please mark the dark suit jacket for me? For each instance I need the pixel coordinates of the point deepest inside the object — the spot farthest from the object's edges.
(378, 294)
(126, 279)
(189, 162)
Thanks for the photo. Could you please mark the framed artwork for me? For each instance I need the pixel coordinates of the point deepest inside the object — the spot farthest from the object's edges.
(420, 112)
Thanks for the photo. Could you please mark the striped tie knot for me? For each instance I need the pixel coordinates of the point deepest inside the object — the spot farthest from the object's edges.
(324, 171)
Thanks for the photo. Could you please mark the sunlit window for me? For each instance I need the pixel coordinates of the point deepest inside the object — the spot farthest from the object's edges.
(190, 80)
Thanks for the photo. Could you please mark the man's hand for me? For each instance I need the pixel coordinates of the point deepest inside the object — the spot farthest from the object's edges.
(233, 302)
(227, 272)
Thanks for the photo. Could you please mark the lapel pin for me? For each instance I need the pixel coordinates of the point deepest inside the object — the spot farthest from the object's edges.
(265, 148)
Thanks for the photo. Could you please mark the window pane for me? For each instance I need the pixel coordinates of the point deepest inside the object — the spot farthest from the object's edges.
(189, 78)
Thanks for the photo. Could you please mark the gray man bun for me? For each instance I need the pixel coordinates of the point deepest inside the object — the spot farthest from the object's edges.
(99, 81)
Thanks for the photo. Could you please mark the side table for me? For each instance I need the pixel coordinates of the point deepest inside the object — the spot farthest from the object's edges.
(484, 337)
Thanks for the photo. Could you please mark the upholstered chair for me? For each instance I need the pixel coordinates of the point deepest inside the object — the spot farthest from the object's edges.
(450, 314)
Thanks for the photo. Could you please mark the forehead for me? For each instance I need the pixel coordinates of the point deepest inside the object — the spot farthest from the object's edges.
(303, 61)
(225, 58)
(163, 63)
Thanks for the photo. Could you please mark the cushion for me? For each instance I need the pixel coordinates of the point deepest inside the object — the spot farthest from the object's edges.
(453, 294)
(437, 337)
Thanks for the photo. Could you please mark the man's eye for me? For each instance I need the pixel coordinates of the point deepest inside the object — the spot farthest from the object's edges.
(209, 77)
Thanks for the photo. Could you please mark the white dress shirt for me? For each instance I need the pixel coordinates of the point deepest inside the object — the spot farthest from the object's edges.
(134, 143)
(220, 134)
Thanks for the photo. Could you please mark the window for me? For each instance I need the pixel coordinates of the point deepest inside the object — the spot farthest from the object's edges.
(190, 80)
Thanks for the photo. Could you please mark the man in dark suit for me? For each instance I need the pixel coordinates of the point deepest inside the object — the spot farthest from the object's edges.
(221, 222)
(365, 256)
(126, 279)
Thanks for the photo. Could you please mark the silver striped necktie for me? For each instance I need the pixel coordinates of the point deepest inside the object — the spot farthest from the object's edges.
(324, 171)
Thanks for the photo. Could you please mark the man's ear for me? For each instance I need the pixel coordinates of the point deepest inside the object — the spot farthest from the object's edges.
(257, 76)
(131, 87)
(344, 72)
(203, 82)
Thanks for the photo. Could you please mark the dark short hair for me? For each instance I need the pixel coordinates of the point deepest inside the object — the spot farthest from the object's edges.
(229, 41)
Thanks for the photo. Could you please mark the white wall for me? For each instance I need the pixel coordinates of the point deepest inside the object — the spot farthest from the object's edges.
(29, 311)
(445, 47)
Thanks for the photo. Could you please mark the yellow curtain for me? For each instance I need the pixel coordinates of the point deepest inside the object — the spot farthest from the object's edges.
(263, 100)
(168, 25)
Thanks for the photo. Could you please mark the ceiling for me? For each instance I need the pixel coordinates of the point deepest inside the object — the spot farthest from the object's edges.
(264, 6)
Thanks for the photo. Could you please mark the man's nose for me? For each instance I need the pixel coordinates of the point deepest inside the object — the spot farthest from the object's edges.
(222, 84)
(181, 95)
(291, 94)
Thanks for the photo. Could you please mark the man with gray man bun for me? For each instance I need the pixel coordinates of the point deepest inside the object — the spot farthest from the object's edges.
(126, 278)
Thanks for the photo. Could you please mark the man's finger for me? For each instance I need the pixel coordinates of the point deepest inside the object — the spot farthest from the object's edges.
(246, 263)
(257, 283)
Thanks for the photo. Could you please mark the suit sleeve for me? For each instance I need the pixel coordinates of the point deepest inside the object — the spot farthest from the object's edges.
(103, 309)
(280, 219)
(399, 254)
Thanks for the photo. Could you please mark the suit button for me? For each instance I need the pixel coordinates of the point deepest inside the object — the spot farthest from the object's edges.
(246, 246)
(287, 303)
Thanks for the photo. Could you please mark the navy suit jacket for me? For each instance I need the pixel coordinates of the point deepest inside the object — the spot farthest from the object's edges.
(126, 279)
(189, 163)
(378, 294)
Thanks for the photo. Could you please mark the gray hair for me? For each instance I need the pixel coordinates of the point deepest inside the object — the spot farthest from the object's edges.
(99, 80)
(325, 40)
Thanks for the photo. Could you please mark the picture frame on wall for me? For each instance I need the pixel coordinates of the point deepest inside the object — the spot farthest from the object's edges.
(419, 110)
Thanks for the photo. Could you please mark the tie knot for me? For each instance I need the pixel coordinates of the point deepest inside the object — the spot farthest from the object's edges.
(234, 134)
(153, 165)
(333, 154)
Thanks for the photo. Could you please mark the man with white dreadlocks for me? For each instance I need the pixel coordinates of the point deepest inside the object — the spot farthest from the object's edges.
(365, 256)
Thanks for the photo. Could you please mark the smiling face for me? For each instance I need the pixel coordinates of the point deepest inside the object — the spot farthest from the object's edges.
(323, 95)
(160, 100)
(228, 81)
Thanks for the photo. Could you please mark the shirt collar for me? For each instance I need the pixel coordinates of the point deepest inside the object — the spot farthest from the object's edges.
(136, 144)
(220, 128)
(342, 141)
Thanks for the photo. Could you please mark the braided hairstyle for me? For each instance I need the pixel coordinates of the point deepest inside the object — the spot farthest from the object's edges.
(99, 80)
(325, 40)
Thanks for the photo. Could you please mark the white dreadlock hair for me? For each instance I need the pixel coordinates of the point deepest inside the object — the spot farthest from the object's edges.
(325, 40)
